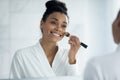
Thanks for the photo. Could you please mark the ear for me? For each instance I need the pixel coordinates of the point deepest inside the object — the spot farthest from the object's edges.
(119, 21)
(41, 23)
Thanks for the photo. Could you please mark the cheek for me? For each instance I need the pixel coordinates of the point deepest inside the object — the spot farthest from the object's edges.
(45, 30)
(64, 29)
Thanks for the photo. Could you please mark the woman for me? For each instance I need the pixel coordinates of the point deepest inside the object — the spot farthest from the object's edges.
(46, 59)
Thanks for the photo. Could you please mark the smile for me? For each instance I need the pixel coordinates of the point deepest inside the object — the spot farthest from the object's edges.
(57, 35)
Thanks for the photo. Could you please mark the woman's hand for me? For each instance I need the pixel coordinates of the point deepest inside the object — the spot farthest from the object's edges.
(74, 47)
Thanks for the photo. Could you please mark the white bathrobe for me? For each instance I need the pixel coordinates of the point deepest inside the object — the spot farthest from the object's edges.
(104, 68)
(31, 62)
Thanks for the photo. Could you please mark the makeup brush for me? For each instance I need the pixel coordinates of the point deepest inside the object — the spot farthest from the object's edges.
(67, 34)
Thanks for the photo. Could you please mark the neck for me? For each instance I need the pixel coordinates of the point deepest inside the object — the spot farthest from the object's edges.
(48, 47)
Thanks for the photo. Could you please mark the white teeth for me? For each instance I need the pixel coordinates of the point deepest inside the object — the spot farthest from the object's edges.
(56, 34)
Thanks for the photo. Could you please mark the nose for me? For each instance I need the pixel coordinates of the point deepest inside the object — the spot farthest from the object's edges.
(58, 28)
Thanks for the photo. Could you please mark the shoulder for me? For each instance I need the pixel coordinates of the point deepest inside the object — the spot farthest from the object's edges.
(103, 60)
(101, 65)
(24, 51)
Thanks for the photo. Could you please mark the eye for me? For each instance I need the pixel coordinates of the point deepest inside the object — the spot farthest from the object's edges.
(53, 22)
(64, 26)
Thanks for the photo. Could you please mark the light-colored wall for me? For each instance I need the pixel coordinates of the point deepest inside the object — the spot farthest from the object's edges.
(90, 20)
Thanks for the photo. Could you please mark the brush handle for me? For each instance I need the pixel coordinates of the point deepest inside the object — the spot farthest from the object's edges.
(83, 45)
(67, 34)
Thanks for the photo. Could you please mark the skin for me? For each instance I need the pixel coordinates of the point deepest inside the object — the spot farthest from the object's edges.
(116, 29)
(54, 29)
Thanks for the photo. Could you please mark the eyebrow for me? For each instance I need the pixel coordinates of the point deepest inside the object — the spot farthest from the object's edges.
(57, 20)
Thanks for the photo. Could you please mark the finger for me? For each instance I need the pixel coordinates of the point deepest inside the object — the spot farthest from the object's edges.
(71, 42)
(75, 40)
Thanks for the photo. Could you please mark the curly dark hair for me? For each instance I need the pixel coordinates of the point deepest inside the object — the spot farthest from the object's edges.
(54, 6)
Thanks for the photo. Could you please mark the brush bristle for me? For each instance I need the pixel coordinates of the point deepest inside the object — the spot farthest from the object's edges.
(67, 34)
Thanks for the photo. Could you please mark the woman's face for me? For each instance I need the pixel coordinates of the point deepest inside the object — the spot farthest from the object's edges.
(54, 27)
(116, 29)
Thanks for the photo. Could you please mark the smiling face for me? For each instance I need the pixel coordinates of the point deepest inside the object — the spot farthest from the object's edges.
(116, 29)
(54, 27)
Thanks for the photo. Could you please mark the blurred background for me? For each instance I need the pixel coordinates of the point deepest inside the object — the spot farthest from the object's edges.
(90, 20)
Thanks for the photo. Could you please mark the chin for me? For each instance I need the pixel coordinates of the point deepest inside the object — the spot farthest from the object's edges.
(57, 40)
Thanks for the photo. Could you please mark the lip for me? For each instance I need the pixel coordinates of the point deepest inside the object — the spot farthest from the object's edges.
(56, 34)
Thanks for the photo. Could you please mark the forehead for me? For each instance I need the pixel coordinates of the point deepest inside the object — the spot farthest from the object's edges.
(59, 16)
